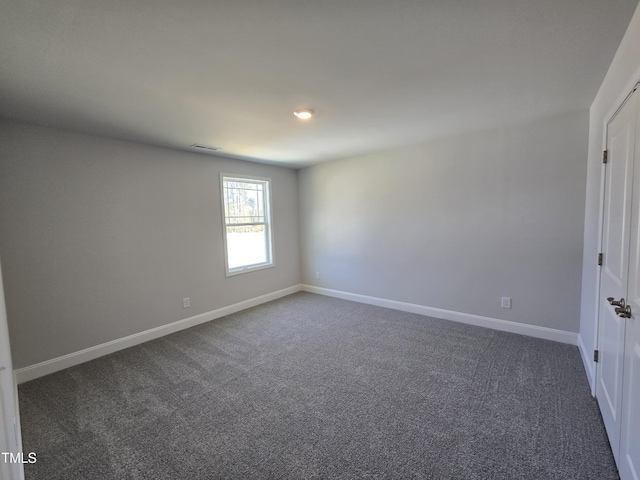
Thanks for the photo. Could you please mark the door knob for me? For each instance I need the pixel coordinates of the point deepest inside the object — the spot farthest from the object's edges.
(617, 303)
(624, 312)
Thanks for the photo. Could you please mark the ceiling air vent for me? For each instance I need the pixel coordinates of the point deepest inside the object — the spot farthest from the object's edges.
(205, 147)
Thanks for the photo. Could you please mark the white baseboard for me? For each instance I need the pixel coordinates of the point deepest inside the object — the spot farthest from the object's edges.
(56, 364)
(477, 320)
(50, 366)
(589, 365)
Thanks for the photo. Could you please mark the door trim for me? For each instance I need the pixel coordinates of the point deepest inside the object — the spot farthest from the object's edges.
(11, 436)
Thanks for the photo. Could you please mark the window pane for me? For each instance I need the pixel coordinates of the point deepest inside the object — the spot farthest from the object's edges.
(244, 202)
(246, 245)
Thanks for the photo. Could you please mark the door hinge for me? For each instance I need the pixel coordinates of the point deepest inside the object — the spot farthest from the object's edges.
(605, 156)
(600, 257)
(595, 356)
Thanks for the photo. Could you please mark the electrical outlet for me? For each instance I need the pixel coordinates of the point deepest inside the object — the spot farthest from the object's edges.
(186, 302)
(506, 302)
(317, 275)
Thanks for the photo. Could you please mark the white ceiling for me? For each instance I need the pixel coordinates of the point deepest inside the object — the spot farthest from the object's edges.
(229, 73)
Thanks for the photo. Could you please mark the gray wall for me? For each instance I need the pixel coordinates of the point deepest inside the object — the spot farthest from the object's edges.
(457, 223)
(101, 239)
(623, 73)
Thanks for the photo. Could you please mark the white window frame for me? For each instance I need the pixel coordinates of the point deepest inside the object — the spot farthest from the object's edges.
(268, 223)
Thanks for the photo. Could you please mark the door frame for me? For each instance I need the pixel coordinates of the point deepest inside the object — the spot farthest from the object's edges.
(11, 433)
(631, 86)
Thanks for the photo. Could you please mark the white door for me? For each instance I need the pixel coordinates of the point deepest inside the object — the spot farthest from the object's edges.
(10, 442)
(629, 461)
(614, 272)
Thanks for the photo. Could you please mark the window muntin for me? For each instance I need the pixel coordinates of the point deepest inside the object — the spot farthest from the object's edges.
(247, 223)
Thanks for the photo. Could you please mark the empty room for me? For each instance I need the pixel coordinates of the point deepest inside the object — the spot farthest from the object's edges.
(303, 239)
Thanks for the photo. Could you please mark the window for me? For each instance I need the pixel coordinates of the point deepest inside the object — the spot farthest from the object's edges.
(247, 223)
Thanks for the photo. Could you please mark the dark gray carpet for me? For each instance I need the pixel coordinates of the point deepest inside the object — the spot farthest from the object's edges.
(314, 387)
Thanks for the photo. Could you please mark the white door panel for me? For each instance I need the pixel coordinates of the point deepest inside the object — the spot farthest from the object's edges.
(629, 462)
(611, 365)
(630, 438)
(614, 274)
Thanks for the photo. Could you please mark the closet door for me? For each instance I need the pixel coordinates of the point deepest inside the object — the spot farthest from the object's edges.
(629, 458)
(614, 272)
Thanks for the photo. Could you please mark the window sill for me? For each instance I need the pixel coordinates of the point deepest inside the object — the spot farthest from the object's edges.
(248, 269)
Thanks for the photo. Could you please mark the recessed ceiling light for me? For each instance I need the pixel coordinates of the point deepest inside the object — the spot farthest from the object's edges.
(304, 114)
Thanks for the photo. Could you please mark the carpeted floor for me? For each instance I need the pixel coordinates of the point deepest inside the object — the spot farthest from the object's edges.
(314, 387)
